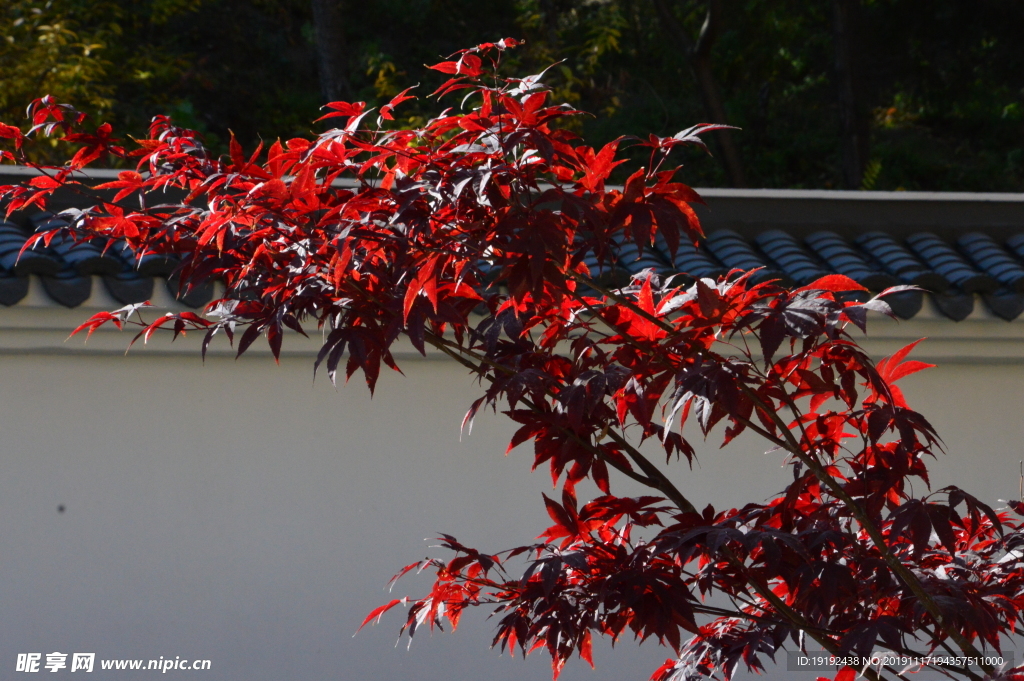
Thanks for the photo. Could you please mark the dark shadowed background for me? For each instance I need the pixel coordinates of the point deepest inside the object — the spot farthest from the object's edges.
(868, 94)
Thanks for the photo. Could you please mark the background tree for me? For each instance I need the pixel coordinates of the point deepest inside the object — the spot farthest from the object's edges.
(939, 101)
(331, 49)
(699, 54)
(125, 61)
(853, 121)
(487, 233)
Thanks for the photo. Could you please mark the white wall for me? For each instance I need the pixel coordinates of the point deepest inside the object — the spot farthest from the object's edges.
(235, 511)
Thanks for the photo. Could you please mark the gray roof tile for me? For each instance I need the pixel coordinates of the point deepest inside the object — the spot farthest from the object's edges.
(631, 260)
(896, 259)
(845, 259)
(956, 305)
(991, 258)
(67, 287)
(129, 287)
(1016, 244)
(945, 260)
(41, 261)
(696, 262)
(791, 257)
(906, 304)
(85, 258)
(1005, 303)
(737, 253)
(952, 269)
(12, 289)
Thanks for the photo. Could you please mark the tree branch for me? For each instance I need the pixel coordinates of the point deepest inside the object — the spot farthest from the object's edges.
(461, 354)
(877, 538)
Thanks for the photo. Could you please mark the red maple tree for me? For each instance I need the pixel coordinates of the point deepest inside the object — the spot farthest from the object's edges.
(489, 234)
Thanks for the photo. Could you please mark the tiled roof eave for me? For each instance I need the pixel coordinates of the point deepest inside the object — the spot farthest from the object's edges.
(966, 248)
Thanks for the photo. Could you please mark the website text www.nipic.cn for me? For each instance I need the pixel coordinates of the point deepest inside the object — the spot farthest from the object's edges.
(86, 662)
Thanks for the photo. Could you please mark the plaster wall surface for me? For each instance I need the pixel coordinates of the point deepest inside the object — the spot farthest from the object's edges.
(235, 511)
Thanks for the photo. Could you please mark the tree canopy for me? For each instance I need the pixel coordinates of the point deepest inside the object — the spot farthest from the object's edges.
(932, 92)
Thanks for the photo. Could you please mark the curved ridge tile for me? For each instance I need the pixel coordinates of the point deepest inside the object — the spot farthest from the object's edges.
(632, 261)
(68, 287)
(990, 257)
(905, 304)
(735, 253)
(149, 265)
(39, 260)
(841, 257)
(128, 287)
(1005, 303)
(944, 259)
(789, 255)
(1016, 245)
(696, 262)
(897, 260)
(955, 304)
(12, 288)
(86, 257)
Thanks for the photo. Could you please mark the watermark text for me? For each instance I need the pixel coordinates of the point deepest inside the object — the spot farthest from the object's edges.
(86, 662)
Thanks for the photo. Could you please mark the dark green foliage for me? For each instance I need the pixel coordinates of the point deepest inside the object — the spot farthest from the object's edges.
(943, 80)
(215, 65)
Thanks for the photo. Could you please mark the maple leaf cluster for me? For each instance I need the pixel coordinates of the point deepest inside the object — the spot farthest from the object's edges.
(490, 234)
